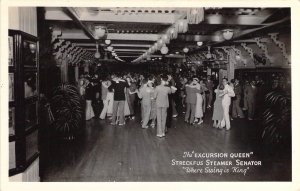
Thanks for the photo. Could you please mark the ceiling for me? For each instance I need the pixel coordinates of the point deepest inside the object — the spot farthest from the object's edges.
(133, 31)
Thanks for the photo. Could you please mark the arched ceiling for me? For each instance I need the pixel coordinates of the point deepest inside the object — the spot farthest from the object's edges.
(133, 31)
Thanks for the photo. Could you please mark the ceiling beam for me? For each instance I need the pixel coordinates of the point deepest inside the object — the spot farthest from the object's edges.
(141, 46)
(203, 38)
(103, 17)
(233, 20)
(131, 45)
(129, 50)
(244, 33)
(78, 34)
(73, 15)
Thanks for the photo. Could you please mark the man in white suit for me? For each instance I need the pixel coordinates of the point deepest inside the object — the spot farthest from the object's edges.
(161, 93)
(226, 101)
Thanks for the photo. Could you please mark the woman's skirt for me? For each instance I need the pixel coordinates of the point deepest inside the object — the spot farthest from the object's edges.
(199, 104)
(89, 113)
(153, 110)
(218, 110)
(131, 99)
(110, 97)
(126, 109)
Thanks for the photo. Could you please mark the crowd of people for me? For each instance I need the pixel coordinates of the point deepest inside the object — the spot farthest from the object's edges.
(159, 98)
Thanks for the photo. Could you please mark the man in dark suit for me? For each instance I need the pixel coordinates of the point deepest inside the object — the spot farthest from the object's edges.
(210, 87)
(236, 109)
(250, 93)
(118, 85)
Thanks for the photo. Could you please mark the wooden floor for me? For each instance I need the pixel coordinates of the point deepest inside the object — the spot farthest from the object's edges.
(130, 153)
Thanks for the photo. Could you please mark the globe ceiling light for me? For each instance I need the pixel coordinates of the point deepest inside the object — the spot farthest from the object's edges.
(164, 50)
(107, 41)
(99, 32)
(228, 34)
(185, 50)
(97, 54)
(199, 43)
(208, 55)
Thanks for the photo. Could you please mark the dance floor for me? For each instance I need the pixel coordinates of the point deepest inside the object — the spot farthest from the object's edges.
(108, 153)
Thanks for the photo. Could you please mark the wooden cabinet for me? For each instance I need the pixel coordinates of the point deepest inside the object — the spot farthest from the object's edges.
(23, 69)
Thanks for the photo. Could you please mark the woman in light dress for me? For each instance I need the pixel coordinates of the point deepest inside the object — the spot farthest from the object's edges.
(81, 86)
(204, 90)
(153, 105)
(89, 113)
(218, 109)
(131, 95)
(199, 105)
(110, 97)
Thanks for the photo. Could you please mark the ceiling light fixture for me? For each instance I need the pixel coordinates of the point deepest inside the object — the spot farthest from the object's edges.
(208, 55)
(99, 32)
(97, 54)
(185, 50)
(199, 43)
(164, 49)
(228, 34)
(107, 41)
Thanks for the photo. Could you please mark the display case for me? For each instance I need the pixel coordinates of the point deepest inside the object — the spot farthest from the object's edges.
(23, 80)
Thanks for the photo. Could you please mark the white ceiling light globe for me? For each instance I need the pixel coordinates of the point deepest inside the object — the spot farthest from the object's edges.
(107, 41)
(185, 50)
(228, 34)
(97, 55)
(199, 43)
(164, 50)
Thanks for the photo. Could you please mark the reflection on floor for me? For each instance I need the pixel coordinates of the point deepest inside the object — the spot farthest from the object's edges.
(130, 153)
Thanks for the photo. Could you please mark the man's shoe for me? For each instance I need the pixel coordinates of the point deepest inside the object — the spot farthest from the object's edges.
(200, 122)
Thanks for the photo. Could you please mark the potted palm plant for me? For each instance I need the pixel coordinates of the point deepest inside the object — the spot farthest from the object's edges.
(276, 119)
(67, 108)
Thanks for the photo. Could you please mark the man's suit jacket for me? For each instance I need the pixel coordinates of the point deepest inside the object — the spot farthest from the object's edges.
(250, 92)
(145, 94)
(210, 85)
(191, 94)
(161, 94)
(227, 97)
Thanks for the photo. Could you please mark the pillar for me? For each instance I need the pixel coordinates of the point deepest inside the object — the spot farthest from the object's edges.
(76, 69)
(64, 69)
(230, 65)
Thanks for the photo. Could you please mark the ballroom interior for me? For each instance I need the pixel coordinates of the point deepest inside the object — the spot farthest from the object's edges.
(59, 45)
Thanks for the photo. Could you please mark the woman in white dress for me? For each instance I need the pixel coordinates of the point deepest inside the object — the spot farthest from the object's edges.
(199, 104)
(89, 113)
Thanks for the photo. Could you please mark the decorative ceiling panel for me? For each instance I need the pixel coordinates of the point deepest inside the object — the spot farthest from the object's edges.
(135, 30)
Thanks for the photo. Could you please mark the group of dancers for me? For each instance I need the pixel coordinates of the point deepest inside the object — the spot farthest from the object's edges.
(159, 98)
